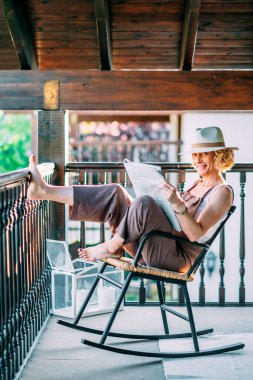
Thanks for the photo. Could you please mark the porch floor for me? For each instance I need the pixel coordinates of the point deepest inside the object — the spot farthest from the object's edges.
(59, 355)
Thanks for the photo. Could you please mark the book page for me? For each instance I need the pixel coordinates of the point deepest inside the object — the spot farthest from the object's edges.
(146, 180)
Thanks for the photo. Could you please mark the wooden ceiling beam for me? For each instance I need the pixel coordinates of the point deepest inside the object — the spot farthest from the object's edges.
(190, 30)
(130, 90)
(103, 33)
(20, 34)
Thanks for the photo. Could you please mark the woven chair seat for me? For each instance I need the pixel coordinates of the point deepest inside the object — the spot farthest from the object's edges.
(127, 265)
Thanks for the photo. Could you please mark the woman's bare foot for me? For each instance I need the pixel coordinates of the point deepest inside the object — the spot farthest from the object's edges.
(37, 186)
(110, 248)
(98, 252)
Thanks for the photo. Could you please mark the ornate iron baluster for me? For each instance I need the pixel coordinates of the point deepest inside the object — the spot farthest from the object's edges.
(12, 281)
(181, 188)
(242, 239)
(15, 314)
(26, 275)
(222, 253)
(34, 246)
(39, 263)
(30, 273)
(20, 211)
(102, 179)
(48, 268)
(202, 289)
(142, 292)
(83, 179)
(8, 362)
(4, 311)
(222, 268)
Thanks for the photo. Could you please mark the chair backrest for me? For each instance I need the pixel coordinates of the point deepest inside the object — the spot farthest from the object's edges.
(202, 254)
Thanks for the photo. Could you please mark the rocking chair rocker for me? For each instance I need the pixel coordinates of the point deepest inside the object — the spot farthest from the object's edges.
(134, 269)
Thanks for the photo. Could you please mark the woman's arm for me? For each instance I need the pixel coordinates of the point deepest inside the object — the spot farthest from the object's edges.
(219, 203)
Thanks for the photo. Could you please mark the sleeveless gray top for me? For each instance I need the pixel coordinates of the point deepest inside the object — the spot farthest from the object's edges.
(196, 205)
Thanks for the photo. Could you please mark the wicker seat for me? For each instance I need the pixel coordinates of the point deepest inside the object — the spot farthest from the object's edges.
(133, 269)
(127, 265)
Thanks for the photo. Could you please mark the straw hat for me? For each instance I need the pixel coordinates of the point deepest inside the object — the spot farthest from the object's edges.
(207, 139)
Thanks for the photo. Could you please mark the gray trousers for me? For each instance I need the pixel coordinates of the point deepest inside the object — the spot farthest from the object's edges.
(131, 219)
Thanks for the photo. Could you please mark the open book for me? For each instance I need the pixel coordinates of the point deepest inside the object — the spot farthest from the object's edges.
(146, 180)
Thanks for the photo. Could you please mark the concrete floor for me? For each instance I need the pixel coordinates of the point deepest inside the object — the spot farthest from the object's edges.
(59, 355)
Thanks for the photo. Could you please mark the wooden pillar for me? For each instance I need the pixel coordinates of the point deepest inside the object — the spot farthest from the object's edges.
(51, 148)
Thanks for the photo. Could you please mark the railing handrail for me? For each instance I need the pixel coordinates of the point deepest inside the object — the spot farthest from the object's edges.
(48, 169)
(18, 177)
(166, 166)
(130, 143)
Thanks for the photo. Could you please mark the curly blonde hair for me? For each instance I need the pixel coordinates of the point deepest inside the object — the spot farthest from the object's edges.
(224, 159)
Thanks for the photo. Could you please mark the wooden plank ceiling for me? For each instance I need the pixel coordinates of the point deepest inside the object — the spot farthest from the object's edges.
(126, 35)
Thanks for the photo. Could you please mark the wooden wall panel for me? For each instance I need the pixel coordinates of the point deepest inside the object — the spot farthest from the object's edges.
(135, 90)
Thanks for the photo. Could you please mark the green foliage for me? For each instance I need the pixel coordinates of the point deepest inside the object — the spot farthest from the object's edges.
(15, 141)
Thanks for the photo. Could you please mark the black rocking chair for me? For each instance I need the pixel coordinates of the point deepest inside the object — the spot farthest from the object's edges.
(134, 269)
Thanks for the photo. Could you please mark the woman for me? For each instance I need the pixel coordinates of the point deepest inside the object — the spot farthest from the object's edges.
(199, 210)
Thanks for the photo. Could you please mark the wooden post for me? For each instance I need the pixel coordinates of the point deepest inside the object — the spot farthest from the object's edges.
(51, 148)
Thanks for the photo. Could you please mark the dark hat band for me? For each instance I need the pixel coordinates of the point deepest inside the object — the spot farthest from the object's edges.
(208, 145)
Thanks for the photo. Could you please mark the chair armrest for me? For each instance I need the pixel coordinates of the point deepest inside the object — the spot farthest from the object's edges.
(168, 236)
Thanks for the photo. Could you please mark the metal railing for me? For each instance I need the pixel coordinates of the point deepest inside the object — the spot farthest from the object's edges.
(106, 150)
(104, 173)
(24, 272)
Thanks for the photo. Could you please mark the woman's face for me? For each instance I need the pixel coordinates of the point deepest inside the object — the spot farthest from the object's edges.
(204, 163)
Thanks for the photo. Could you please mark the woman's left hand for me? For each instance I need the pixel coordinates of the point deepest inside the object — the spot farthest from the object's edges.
(171, 194)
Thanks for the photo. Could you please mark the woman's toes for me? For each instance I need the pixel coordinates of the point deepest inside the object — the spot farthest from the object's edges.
(32, 159)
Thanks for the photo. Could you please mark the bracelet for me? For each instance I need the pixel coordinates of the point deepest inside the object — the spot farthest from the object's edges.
(181, 212)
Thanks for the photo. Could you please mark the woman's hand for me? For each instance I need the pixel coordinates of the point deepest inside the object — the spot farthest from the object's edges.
(172, 195)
